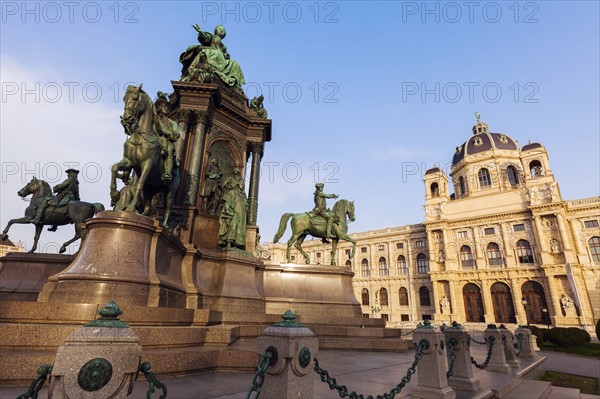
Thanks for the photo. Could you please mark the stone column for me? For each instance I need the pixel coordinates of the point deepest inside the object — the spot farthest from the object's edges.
(581, 252)
(192, 176)
(526, 342)
(477, 249)
(293, 348)
(488, 307)
(509, 259)
(539, 234)
(99, 360)
(566, 243)
(498, 358)
(184, 121)
(432, 368)
(462, 376)
(517, 295)
(257, 150)
(554, 299)
(507, 340)
(456, 301)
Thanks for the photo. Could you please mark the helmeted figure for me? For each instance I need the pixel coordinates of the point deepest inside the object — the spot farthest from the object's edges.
(320, 208)
(210, 188)
(232, 229)
(66, 192)
(168, 131)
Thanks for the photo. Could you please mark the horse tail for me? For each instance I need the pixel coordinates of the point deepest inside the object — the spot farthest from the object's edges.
(282, 225)
(98, 207)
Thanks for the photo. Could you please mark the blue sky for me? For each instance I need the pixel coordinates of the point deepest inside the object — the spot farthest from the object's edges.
(363, 95)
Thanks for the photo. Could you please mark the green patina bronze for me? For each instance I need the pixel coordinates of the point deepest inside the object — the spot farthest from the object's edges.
(256, 104)
(232, 220)
(304, 357)
(109, 317)
(95, 374)
(289, 320)
(321, 223)
(46, 210)
(426, 325)
(149, 152)
(202, 62)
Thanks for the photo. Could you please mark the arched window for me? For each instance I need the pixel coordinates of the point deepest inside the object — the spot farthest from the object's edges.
(513, 175)
(365, 297)
(595, 248)
(536, 168)
(364, 268)
(466, 257)
(403, 296)
(424, 297)
(494, 255)
(435, 190)
(461, 186)
(524, 251)
(384, 271)
(401, 263)
(422, 264)
(484, 178)
(383, 297)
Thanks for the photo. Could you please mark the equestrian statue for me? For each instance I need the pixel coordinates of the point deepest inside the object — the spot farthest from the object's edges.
(321, 223)
(59, 210)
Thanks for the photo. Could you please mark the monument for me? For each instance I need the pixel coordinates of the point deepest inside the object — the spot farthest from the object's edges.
(178, 252)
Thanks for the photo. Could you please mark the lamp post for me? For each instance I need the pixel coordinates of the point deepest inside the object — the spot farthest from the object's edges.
(524, 303)
(546, 316)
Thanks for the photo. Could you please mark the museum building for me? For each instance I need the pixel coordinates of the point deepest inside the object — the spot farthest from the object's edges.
(498, 245)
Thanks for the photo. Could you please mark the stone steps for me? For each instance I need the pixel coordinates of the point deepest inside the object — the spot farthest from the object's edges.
(563, 393)
(530, 389)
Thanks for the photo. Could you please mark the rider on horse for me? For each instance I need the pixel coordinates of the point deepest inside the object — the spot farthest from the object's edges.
(66, 192)
(168, 134)
(320, 208)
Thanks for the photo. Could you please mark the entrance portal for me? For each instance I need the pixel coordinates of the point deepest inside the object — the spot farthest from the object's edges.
(533, 292)
(504, 310)
(473, 303)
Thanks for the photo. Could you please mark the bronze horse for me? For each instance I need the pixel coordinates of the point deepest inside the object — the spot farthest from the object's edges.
(303, 225)
(76, 212)
(141, 152)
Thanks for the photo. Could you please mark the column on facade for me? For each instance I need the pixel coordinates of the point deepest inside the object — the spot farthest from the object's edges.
(539, 234)
(430, 248)
(563, 232)
(256, 149)
(456, 301)
(507, 253)
(486, 296)
(436, 297)
(411, 273)
(554, 299)
(576, 234)
(192, 177)
(477, 249)
(517, 294)
(445, 246)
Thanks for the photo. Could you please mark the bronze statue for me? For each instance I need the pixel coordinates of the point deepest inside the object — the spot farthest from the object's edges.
(142, 154)
(256, 104)
(168, 131)
(201, 62)
(210, 188)
(71, 211)
(304, 224)
(66, 192)
(320, 209)
(232, 229)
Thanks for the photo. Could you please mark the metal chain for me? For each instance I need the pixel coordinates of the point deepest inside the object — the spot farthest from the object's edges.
(37, 383)
(451, 346)
(343, 390)
(520, 337)
(478, 342)
(153, 382)
(490, 341)
(259, 376)
(408, 333)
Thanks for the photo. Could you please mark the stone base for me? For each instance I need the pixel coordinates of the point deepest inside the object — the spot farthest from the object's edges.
(499, 368)
(313, 291)
(433, 393)
(469, 384)
(22, 275)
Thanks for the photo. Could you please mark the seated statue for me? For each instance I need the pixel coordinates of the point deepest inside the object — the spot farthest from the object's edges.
(256, 104)
(200, 62)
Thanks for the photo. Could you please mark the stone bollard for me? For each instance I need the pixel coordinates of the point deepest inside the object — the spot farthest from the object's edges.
(461, 376)
(525, 342)
(509, 346)
(294, 347)
(498, 358)
(432, 368)
(100, 360)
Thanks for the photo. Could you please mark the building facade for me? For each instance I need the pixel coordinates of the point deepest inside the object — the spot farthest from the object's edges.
(498, 245)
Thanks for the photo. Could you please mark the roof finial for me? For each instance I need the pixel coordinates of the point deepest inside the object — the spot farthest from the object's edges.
(477, 115)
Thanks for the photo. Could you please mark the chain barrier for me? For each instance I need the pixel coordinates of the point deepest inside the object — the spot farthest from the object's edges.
(484, 342)
(153, 382)
(266, 359)
(520, 337)
(451, 347)
(490, 342)
(37, 383)
(343, 390)
(408, 333)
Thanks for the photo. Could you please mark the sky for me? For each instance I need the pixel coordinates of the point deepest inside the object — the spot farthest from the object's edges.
(364, 96)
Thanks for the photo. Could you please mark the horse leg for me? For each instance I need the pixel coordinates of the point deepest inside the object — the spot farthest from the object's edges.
(333, 251)
(344, 236)
(23, 220)
(298, 246)
(291, 241)
(77, 236)
(169, 195)
(123, 164)
(145, 172)
(38, 231)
